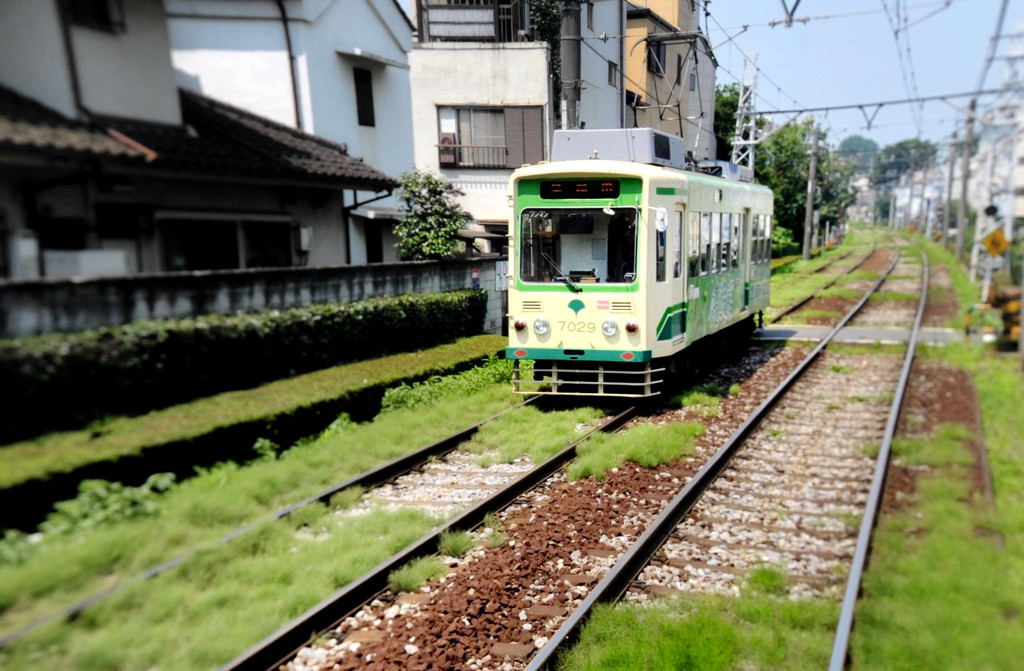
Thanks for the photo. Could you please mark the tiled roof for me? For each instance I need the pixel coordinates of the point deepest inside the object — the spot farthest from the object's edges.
(215, 139)
(28, 126)
(307, 154)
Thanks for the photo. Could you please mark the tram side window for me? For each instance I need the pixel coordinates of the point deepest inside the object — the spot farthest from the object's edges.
(660, 255)
(677, 267)
(757, 251)
(705, 243)
(716, 241)
(693, 245)
(726, 241)
(736, 219)
(766, 239)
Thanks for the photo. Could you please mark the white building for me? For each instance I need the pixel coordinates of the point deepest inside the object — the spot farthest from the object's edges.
(107, 167)
(338, 69)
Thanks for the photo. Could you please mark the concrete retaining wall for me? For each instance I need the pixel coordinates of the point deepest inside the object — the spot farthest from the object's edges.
(29, 307)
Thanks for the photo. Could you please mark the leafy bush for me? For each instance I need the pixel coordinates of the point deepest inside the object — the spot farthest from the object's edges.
(98, 502)
(495, 371)
(59, 381)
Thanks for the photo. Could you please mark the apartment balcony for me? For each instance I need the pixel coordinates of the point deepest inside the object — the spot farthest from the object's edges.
(474, 21)
(472, 156)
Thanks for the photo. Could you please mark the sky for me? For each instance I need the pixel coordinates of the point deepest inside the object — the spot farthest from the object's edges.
(853, 58)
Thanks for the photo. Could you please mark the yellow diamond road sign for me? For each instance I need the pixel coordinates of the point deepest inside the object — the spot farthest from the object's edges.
(996, 243)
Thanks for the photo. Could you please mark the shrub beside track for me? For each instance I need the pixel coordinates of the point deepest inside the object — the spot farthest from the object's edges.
(63, 381)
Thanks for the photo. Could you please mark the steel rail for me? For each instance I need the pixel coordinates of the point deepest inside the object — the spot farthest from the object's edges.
(375, 476)
(282, 645)
(841, 645)
(625, 570)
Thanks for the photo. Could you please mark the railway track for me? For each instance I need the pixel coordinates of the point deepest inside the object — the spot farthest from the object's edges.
(573, 545)
(372, 478)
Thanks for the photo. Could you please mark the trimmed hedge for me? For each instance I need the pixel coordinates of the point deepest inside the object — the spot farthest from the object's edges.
(63, 381)
(221, 427)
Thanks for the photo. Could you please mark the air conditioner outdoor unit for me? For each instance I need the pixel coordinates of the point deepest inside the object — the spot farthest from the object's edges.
(446, 148)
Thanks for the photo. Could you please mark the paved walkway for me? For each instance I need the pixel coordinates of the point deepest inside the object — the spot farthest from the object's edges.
(868, 334)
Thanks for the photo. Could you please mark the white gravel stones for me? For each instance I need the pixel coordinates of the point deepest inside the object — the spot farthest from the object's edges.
(793, 496)
(443, 488)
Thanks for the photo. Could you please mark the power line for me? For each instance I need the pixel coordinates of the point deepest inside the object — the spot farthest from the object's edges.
(906, 101)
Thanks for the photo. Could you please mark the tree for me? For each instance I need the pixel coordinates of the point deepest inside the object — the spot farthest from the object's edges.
(727, 101)
(433, 219)
(546, 20)
(783, 165)
(903, 157)
(861, 150)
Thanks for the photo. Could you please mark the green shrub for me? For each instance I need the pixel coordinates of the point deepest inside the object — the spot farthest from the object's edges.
(60, 381)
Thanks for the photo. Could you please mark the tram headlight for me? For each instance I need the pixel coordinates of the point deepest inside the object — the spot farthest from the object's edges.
(632, 326)
(541, 326)
(610, 327)
(520, 324)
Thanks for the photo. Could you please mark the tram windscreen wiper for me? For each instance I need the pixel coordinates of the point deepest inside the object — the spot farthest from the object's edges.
(562, 275)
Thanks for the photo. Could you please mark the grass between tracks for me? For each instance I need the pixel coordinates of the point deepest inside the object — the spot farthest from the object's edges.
(940, 592)
(799, 280)
(38, 578)
(228, 596)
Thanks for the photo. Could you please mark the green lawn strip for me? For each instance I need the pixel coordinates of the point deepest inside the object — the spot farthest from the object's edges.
(539, 435)
(63, 569)
(211, 608)
(966, 293)
(754, 631)
(940, 592)
(66, 451)
(647, 445)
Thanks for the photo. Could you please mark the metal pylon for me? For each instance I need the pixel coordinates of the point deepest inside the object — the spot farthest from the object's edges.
(745, 138)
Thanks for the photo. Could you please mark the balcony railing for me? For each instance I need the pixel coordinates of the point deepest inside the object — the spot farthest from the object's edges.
(474, 21)
(472, 156)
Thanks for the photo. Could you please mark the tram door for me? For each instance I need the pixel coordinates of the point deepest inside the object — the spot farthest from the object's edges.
(745, 257)
(677, 227)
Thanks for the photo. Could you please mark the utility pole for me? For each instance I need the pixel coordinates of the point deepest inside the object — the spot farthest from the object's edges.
(569, 50)
(965, 173)
(811, 183)
(949, 192)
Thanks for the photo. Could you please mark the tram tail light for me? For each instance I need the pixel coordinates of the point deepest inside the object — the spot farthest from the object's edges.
(632, 326)
(520, 324)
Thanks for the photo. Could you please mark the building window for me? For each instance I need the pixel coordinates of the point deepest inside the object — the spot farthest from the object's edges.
(613, 74)
(679, 69)
(590, 15)
(364, 96)
(693, 81)
(656, 57)
(490, 137)
(107, 15)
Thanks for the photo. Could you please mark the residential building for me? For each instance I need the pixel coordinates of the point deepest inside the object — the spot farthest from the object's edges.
(336, 69)
(107, 167)
(670, 73)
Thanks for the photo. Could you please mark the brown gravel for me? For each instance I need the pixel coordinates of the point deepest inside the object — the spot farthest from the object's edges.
(559, 542)
(941, 394)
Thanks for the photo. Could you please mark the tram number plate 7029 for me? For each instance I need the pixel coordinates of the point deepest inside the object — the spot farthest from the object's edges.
(578, 327)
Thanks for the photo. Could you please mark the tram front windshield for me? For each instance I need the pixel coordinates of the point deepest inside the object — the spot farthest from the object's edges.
(578, 245)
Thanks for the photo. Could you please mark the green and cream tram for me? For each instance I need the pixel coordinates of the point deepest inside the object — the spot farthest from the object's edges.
(622, 258)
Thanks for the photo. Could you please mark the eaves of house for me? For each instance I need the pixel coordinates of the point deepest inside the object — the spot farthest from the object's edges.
(216, 141)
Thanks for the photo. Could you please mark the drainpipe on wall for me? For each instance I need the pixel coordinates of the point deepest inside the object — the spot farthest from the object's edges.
(291, 63)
